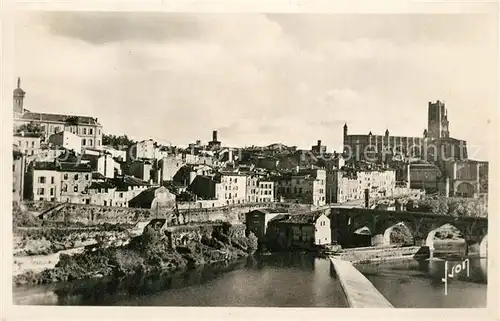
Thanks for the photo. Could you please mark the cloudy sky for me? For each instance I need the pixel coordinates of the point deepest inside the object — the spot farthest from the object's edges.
(260, 79)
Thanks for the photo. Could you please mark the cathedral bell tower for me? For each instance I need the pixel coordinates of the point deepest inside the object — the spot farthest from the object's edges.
(18, 99)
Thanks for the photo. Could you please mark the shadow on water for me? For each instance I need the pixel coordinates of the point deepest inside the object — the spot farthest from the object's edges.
(274, 280)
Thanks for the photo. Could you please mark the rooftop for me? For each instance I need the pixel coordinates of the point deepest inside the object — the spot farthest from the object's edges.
(304, 218)
(62, 167)
(81, 120)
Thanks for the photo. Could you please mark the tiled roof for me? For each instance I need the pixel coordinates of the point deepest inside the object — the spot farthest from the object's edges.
(270, 210)
(123, 183)
(82, 120)
(101, 185)
(62, 167)
(97, 175)
(74, 167)
(306, 218)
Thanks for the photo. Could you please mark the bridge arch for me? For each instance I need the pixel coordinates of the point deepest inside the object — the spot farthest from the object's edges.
(403, 235)
(446, 239)
(362, 237)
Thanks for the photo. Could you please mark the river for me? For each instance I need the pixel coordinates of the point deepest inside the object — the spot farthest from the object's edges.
(276, 280)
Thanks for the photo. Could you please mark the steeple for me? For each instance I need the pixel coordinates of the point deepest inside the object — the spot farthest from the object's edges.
(386, 132)
(18, 96)
(345, 129)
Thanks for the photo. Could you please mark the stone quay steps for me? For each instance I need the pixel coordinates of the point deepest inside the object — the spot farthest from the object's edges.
(359, 291)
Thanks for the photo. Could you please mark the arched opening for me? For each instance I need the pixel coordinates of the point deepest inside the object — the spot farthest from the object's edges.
(446, 240)
(398, 234)
(361, 237)
(465, 189)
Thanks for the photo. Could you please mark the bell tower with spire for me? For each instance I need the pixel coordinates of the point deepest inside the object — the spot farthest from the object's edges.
(18, 99)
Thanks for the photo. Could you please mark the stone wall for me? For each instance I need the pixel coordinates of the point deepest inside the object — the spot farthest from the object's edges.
(96, 214)
(186, 235)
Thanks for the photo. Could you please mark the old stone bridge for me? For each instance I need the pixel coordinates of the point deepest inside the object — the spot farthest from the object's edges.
(345, 221)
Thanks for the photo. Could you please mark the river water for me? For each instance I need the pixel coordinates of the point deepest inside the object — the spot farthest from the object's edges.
(276, 280)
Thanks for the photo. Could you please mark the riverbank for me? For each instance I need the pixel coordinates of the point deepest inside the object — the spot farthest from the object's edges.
(154, 251)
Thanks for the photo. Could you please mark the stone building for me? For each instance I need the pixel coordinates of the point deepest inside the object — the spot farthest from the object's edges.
(351, 184)
(28, 143)
(214, 144)
(87, 128)
(305, 186)
(299, 230)
(318, 149)
(434, 145)
(67, 140)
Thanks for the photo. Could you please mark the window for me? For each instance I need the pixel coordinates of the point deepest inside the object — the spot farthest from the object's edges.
(98, 132)
(90, 142)
(13, 167)
(41, 191)
(52, 179)
(87, 176)
(52, 191)
(75, 188)
(98, 143)
(76, 176)
(33, 144)
(91, 131)
(121, 195)
(41, 179)
(85, 131)
(236, 180)
(65, 176)
(84, 141)
(32, 152)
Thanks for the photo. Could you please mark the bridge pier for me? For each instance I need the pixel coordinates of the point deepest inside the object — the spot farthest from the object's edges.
(378, 240)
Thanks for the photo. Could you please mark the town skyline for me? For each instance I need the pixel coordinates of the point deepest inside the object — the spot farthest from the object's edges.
(271, 76)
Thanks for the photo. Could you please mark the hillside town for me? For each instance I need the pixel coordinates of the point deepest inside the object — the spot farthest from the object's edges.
(69, 158)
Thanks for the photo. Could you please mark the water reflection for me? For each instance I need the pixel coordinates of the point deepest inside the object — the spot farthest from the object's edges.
(277, 280)
(419, 283)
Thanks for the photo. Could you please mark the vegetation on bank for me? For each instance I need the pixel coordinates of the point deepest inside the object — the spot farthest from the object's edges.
(453, 206)
(147, 253)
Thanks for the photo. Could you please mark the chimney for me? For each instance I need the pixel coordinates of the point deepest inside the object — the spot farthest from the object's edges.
(214, 135)
(319, 143)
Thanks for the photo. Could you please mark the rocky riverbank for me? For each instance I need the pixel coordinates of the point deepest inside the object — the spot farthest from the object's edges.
(151, 252)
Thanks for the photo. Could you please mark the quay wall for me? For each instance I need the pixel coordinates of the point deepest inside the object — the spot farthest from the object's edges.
(386, 253)
(94, 214)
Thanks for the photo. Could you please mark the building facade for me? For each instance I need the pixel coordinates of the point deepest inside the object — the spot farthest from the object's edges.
(28, 143)
(306, 186)
(67, 140)
(87, 128)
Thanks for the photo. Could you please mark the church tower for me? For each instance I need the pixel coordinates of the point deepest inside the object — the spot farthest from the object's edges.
(437, 126)
(18, 99)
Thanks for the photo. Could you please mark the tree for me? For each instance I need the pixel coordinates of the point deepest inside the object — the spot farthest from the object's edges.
(31, 128)
(117, 141)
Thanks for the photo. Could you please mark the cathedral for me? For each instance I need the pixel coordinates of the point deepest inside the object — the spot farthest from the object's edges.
(434, 145)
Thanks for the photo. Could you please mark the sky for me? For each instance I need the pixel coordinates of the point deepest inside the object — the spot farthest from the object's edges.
(260, 79)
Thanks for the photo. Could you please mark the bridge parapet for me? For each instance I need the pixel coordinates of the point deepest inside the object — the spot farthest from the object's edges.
(344, 221)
